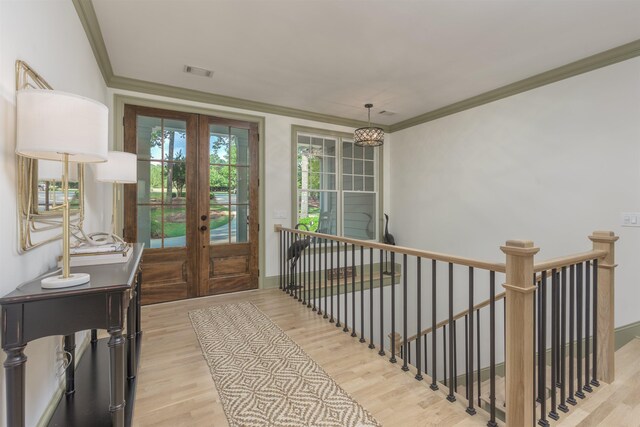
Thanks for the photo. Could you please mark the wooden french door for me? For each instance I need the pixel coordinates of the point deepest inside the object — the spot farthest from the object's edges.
(196, 202)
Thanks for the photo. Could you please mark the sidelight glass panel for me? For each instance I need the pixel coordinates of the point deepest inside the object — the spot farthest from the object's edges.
(347, 149)
(219, 184)
(219, 218)
(239, 146)
(239, 184)
(150, 226)
(148, 138)
(174, 141)
(175, 226)
(175, 183)
(360, 215)
(318, 210)
(239, 225)
(219, 139)
(150, 182)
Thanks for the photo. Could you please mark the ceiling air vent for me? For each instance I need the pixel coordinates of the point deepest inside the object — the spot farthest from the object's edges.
(386, 113)
(198, 71)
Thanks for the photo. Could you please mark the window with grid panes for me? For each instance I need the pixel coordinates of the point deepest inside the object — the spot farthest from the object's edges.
(337, 186)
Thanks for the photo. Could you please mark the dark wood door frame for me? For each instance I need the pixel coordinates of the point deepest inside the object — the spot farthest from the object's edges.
(207, 258)
(184, 272)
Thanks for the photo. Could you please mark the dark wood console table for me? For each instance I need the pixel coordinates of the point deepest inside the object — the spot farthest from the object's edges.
(30, 312)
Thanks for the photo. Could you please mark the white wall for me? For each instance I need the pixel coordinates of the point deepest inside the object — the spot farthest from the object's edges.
(277, 182)
(550, 165)
(49, 37)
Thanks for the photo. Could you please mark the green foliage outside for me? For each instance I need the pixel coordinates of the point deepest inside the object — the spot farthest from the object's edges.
(175, 221)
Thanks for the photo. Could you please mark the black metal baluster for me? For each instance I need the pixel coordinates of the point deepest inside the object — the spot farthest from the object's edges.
(303, 270)
(393, 307)
(381, 352)
(320, 279)
(579, 285)
(287, 269)
(466, 356)
(492, 350)
(538, 315)
(362, 295)
(470, 409)
(553, 414)
(404, 311)
(451, 397)
(594, 376)
(479, 370)
(536, 329)
(281, 257)
(434, 383)
(542, 351)
(338, 324)
(587, 325)
(303, 259)
(563, 341)
(444, 353)
(326, 307)
(346, 288)
(426, 359)
(353, 291)
(418, 317)
(371, 344)
(298, 269)
(315, 272)
(572, 301)
(536, 333)
(333, 273)
(455, 356)
(307, 298)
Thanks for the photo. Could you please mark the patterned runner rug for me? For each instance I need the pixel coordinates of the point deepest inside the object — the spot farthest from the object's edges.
(266, 379)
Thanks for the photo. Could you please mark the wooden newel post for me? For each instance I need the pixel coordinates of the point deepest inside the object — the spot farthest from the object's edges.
(605, 241)
(519, 289)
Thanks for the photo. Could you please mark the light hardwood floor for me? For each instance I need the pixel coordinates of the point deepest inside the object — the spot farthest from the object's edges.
(175, 387)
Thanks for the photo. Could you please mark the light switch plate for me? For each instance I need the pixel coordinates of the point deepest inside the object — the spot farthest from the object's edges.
(630, 219)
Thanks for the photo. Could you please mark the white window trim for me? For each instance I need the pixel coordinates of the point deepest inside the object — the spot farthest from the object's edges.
(339, 136)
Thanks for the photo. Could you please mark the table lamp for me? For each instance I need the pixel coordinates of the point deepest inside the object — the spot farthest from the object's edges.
(59, 126)
(120, 168)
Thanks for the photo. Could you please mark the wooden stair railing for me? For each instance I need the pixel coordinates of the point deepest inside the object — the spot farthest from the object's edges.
(529, 286)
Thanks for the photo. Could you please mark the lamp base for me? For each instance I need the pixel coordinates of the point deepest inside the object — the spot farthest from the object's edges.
(56, 282)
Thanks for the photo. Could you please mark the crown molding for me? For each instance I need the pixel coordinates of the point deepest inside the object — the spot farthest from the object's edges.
(89, 20)
(590, 63)
(126, 83)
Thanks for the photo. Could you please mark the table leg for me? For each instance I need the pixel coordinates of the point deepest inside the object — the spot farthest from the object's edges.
(14, 370)
(117, 366)
(70, 371)
(138, 301)
(94, 337)
(131, 337)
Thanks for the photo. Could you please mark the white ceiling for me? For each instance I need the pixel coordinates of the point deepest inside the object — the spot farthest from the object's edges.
(333, 56)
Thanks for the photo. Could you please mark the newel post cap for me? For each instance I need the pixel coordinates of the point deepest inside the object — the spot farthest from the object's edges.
(519, 248)
(604, 237)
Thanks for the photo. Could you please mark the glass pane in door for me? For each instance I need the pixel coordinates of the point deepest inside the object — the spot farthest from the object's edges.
(229, 159)
(162, 181)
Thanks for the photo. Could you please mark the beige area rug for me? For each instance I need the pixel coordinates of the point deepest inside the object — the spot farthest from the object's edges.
(266, 379)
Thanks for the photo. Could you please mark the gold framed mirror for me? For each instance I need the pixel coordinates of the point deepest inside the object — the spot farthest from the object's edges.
(39, 186)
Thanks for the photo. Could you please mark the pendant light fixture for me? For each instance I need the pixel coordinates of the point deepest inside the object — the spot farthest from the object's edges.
(369, 136)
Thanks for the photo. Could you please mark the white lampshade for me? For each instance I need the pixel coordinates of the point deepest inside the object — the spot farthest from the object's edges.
(48, 170)
(120, 168)
(52, 123)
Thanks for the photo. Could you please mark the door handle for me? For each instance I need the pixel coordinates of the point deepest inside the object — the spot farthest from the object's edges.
(203, 228)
